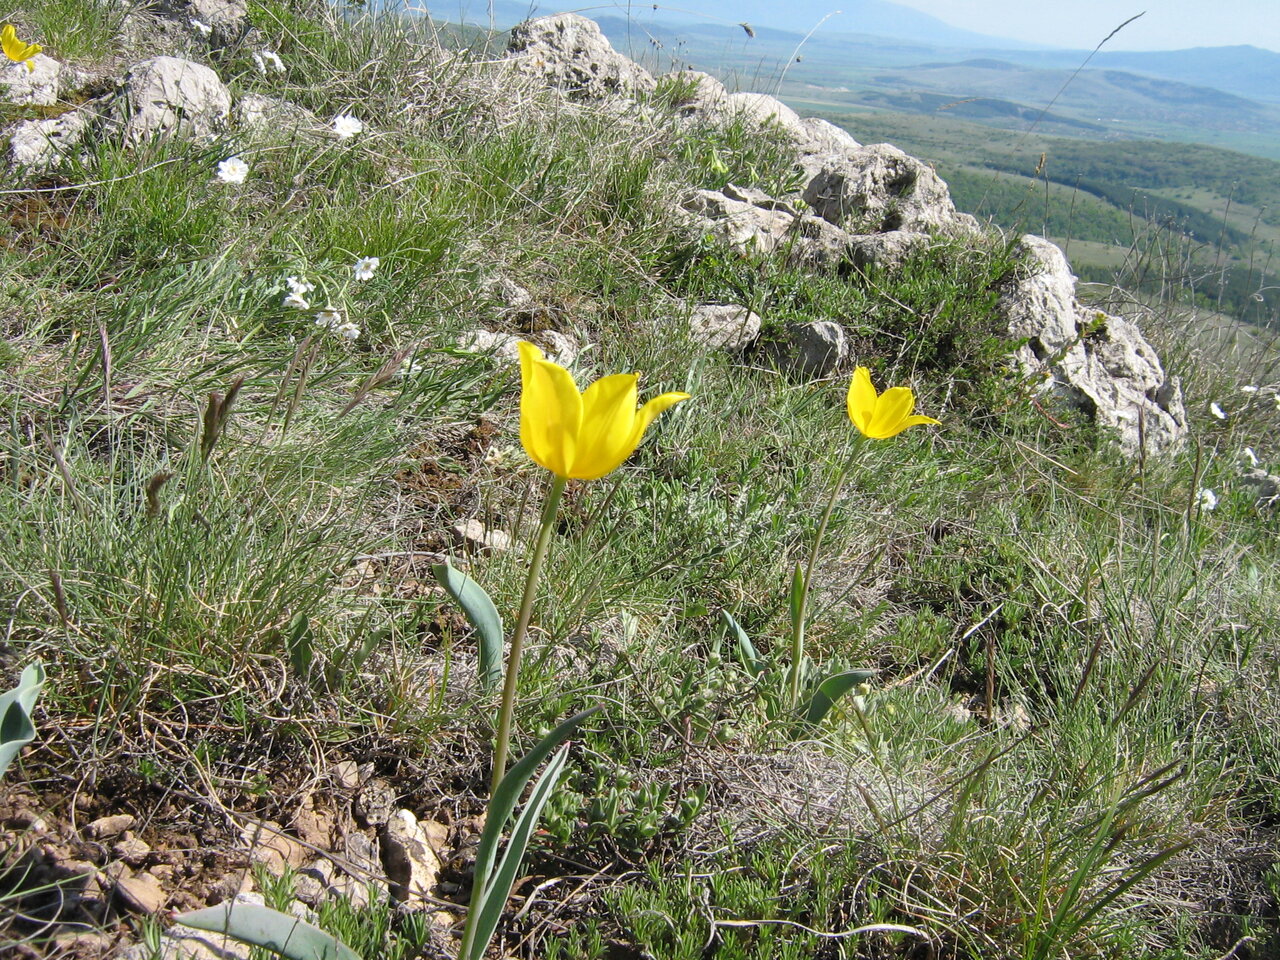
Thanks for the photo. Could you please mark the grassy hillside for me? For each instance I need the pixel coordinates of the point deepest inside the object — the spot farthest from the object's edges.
(219, 513)
(1219, 210)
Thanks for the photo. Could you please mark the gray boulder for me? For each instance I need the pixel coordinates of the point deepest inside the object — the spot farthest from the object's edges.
(762, 109)
(570, 53)
(727, 326)
(886, 251)
(1099, 363)
(741, 223)
(812, 350)
(1262, 486)
(879, 188)
(164, 96)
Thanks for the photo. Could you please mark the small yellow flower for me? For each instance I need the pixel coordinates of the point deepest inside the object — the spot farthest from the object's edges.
(581, 435)
(15, 49)
(884, 415)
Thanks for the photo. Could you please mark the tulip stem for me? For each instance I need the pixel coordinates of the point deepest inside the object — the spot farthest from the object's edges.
(502, 739)
(798, 617)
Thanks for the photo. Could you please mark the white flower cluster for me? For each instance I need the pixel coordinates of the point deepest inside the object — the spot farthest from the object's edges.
(329, 317)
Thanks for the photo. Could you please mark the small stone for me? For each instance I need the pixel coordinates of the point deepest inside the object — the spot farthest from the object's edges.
(374, 802)
(475, 534)
(142, 893)
(346, 774)
(111, 826)
(411, 861)
(270, 846)
(726, 326)
(131, 850)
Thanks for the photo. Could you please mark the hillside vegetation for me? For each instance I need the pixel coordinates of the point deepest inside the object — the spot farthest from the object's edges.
(1217, 210)
(232, 448)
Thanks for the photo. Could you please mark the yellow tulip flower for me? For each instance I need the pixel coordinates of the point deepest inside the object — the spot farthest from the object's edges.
(581, 435)
(884, 415)
(15, 49)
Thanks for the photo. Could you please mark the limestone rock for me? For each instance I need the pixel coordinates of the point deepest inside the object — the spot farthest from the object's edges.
(726, 326)
(764, 110)
(39, 144)
(38, 86)
(1099, 363)
(142, 893)
(879, 188)
(741, 223)
(477, 536)
(571, 53)
(410, 855)
(824, 138)
(886, 251)
(111, 826)
(706, 96)
(168, 95)
(256, 111)
(1263, 486)
(813, 350)
(501, 345)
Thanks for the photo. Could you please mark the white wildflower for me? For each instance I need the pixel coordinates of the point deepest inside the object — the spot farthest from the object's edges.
(365, 266)
(329, 318)
(299, 285)
(346, 126)
(268, 62)
(233, 170)
(297, 301)
(1206, 499)
(1217, 411)
(1250, 456)
(1248, 388)
(201, 28)
(409, 368)
(347, 331)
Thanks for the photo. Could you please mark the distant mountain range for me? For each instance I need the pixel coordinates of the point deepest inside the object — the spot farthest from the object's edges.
(883, 55)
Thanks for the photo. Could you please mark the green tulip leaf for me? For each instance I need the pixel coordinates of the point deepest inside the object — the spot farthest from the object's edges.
(489, 895)
(270, 929)
(751, 661)
(832, 689)
(493, 898)
(482, 615)
(16, 728)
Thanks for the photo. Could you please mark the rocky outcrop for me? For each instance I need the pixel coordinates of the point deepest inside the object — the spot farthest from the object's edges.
(571, 53)
(1097, 362)
(164, 96)
(879, 188)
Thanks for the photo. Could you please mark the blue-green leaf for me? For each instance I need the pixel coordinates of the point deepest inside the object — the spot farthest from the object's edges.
(482, 915)
(482, 615)
(489, 905)
(751, 661)
(16, 728)
(270, 929)
(832, 689)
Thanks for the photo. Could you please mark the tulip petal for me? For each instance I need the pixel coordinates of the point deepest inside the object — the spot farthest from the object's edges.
(892, 408)
(608, 421)
(861, 401)
(550, 412)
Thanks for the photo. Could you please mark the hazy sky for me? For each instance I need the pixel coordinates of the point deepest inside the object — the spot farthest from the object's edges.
(1168, 24)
